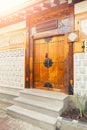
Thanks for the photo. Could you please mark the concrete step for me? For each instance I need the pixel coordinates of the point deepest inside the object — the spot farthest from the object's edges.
(36, 118)
(11, 90)
(50, 97)
(39, 106)
(7, 97)
(9, 93)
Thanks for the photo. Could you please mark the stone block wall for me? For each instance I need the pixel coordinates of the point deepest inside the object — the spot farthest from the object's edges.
(80, 73)
(12, 68)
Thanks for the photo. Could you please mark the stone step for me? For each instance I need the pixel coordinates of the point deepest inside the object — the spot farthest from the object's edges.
(11, 90)
(49, 97)
(4, 96)
(39, 106)
(33, 117)
(9, 93)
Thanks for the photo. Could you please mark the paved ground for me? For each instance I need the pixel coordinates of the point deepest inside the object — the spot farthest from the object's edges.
(9, 123)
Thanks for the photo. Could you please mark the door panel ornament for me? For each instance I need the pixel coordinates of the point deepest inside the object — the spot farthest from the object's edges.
(48, 39)
(46, 55)
(48, 85)
(48, 62)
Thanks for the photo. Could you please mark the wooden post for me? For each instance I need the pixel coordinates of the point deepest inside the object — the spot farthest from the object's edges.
(27, 79)
(31, 70)
(29, 56)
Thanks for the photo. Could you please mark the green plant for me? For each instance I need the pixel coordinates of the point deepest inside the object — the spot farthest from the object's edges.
(79, 103)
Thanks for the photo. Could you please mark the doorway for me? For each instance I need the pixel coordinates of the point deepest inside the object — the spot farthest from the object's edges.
(51, 69)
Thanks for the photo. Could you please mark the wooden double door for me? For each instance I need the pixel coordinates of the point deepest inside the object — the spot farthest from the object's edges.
(51, 63)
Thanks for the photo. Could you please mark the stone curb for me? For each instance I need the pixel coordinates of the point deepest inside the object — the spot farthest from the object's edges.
(69, 124)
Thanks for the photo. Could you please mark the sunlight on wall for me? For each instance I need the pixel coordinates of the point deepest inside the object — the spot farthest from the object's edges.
(8, 4)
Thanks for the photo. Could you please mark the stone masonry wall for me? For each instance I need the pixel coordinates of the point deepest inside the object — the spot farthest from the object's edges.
(80, 73)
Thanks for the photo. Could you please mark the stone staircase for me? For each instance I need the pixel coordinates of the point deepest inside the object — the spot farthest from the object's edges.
(8, 94)
(39, 107)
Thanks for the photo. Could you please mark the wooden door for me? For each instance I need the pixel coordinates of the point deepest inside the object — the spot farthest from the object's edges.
(51, 63)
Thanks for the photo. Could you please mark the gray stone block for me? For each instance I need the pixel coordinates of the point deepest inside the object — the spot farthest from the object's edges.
(78, 77)
(76, 84)
(77, 63)
(76, 56)
(68, 124)
(76, 70)
(86, 55)
(82, 126)
(82, 70)
(84, 63)
(82, 85)
(84, 77)
(84, 91)
(82, 56)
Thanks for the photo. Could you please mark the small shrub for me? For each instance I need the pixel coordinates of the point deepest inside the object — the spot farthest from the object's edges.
(80, 103)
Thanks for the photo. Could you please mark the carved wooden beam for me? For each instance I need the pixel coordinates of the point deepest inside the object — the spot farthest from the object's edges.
(54, 2)
(74, 1)
(33, 9)
(77, 1)
(37, 8)
(45, 6)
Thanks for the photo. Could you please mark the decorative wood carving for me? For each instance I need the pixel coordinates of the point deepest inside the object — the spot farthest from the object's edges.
(55, 2)
(48, 25)
(73, 36)
(45, 5)
(57, 13)
(77, 1)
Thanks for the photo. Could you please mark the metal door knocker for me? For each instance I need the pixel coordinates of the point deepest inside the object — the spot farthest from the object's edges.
(48, 62)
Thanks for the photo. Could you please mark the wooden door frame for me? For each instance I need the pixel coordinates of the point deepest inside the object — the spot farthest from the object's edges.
(31, 58)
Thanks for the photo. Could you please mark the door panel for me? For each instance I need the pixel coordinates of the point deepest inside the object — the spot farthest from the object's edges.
(51, 63)
(53, 73)
(43, 50)
(53, 51)
(60, 72)
(43, 73)
(36, 53)
(36, 73)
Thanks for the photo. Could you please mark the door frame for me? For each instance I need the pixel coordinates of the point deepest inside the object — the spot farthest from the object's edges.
(31, 56)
